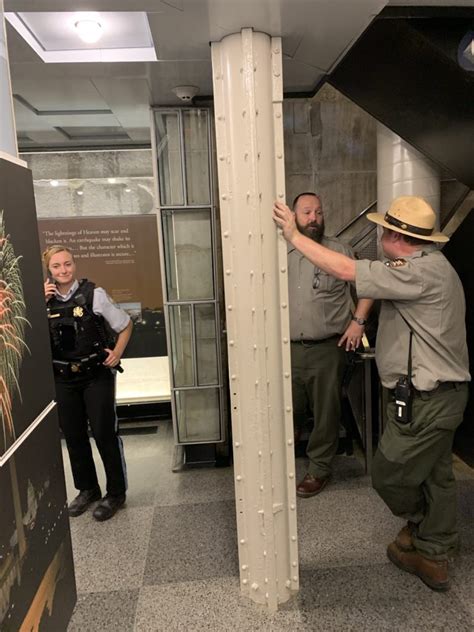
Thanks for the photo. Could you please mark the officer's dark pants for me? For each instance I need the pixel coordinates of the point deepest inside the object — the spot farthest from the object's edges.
(317, 372)
(92, 398)
(412, 469)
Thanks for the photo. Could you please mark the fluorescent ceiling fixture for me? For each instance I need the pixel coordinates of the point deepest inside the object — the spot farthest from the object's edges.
(126, 36)
(111, 180)
(54, 183)
(89, 31)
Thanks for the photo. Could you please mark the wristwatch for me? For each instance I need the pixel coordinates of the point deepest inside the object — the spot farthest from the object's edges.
(360, 321)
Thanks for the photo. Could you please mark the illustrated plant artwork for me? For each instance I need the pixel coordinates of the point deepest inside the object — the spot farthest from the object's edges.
(12, 330)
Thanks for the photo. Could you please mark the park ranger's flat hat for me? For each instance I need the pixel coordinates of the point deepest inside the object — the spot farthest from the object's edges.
(411, 216)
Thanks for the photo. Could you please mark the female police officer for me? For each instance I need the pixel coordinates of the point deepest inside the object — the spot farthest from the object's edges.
(83, 322)
(422, 359)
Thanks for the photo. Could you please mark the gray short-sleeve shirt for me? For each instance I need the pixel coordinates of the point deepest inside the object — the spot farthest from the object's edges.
(320, 304)
(426, 290)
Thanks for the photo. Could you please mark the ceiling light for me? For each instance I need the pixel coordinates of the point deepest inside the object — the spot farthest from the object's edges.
(54, 183)
(80, 193)
(90, 31)
(111, 180)
(127, 190)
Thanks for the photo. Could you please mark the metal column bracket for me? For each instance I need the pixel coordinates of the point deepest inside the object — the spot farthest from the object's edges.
(248, 94)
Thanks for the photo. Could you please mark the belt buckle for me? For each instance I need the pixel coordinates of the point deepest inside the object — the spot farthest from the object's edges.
(75, 368)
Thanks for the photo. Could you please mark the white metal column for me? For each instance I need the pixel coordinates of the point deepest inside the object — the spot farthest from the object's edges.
(8, 142)
(402, 170)
(248, 95)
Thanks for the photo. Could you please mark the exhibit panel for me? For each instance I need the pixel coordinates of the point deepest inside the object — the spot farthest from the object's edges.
(37, 586)
(26, 382)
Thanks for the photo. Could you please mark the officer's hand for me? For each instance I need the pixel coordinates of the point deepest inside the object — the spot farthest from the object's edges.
(112, 358)
(49, 290)
(285, 219)
(352, 337)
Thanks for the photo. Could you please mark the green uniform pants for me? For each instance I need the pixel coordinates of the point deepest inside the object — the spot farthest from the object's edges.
(317, 372)
(412, 469)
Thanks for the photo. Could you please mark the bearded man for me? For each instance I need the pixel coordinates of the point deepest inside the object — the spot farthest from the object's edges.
(323, 329)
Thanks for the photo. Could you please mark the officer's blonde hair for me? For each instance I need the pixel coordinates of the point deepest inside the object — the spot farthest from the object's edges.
(53, 250)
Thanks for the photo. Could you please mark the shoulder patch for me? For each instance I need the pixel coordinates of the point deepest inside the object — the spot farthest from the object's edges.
(396, 263)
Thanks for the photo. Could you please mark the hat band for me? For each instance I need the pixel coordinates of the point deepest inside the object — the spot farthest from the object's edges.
(404, 226)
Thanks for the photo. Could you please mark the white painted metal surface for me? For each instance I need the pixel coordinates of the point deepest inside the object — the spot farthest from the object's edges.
(248, 93)
(8, 142)
(402, 170)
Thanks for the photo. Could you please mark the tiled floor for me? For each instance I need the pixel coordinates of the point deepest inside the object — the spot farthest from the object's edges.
(168, 561)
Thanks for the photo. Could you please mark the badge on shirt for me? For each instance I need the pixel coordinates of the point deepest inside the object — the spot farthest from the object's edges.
(396, 263)
(78, 312)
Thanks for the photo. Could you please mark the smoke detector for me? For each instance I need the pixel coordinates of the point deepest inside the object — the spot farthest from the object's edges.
(186, 93)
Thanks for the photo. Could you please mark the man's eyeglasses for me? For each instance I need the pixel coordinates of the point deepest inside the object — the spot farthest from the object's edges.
(316, 279)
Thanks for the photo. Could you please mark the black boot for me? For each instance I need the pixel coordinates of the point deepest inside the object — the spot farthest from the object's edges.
(83, 500)
(108, 507)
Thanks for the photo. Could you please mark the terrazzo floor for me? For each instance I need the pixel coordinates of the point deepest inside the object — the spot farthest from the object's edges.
(168, 561)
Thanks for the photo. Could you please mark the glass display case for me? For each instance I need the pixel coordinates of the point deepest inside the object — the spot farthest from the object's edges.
(188, 249)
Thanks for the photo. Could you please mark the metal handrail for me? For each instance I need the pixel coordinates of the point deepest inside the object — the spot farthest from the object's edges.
(356, 218)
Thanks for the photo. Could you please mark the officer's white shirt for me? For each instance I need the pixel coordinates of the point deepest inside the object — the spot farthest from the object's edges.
(102, 305)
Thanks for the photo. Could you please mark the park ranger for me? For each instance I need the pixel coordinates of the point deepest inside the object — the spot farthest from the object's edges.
(322, 330)
(422, 359)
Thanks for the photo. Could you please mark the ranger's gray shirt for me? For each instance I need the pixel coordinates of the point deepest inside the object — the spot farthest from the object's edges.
(323, 310)
(425, 288)
(102, 305)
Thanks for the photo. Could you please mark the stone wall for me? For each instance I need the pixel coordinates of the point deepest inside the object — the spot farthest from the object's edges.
(331, 149)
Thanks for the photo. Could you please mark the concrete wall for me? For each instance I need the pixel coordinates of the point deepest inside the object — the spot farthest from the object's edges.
(331, 148)
(84, 186)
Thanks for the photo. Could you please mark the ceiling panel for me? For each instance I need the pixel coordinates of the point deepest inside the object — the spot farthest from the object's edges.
(129, 100)
(18, 50)
(315, 33)
(68, 94)
(56, 31)
(300, 77)
(165, 76)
